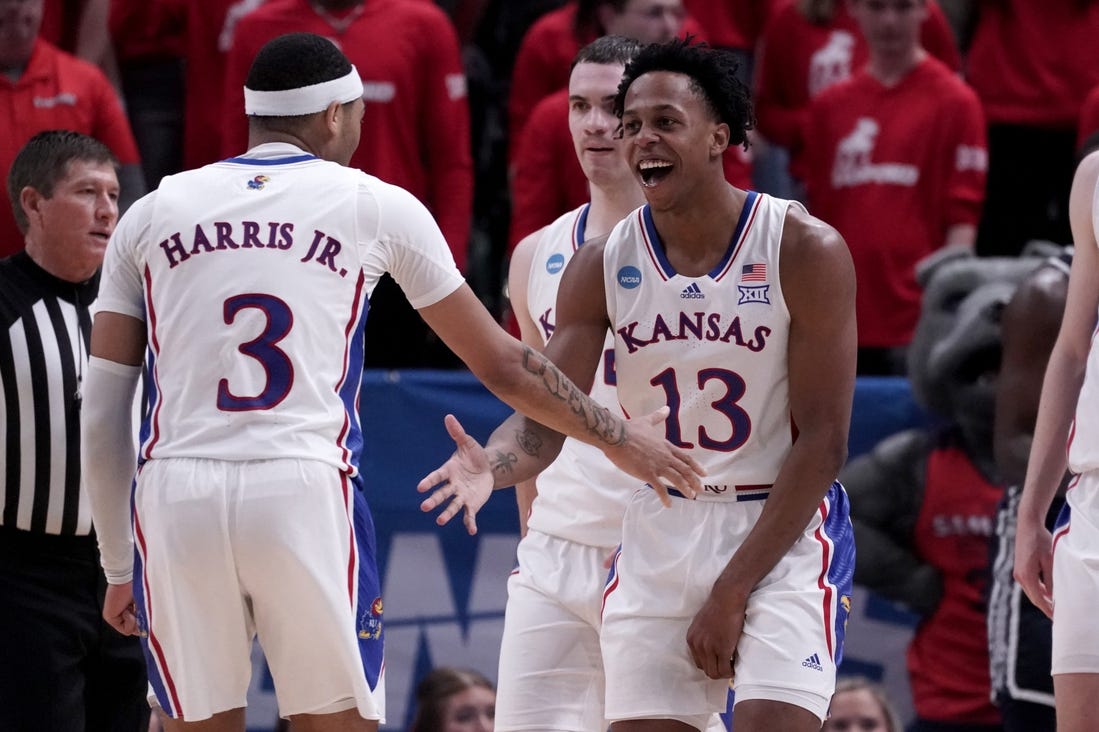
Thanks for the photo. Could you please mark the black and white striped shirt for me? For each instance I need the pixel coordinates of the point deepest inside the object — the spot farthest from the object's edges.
(43, 357)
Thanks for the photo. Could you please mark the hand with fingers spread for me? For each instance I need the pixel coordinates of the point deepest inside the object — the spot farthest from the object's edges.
(714, 633)
(119, 610)
(465, 479)
(647, 454)
(1034, 564)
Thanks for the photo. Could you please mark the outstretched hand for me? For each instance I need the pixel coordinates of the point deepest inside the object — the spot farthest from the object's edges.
(647, 455)
(465, 479)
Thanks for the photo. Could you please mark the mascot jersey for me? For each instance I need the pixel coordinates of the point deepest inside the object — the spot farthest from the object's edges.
(948, 657)
(713, 348)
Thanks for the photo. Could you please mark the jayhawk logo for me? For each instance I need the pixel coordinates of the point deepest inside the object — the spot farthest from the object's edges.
(370, 623)
(257, 183)
(845, 600)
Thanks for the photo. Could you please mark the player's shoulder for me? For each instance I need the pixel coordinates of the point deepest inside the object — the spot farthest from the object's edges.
(804, 235)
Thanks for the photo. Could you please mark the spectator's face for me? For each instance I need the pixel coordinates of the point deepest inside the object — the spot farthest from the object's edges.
(472, 710)
(70, 229)
(648, 21)
(672, 141)
(891, 27)
(592, 122)
(855, 711)
(19, 22)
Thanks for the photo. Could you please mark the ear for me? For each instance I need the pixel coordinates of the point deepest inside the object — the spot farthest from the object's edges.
(332, 118)
(31, 201)
(719, 140)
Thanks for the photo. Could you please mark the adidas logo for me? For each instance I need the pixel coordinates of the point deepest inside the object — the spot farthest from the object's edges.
(813, 662)
(692, 292)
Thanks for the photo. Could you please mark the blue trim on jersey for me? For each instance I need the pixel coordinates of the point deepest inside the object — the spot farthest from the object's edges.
(349, 392)
(153, 398)
(156, 680)
(841, 570)
(658, 244)
(1064, 517)
(745, 215)
(271, 161)
(580, 231)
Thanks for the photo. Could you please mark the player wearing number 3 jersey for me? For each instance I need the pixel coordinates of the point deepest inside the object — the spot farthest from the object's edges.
(735, 312)
(248, 283)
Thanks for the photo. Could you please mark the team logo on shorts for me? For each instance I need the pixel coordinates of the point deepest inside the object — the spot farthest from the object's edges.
(370, 622)
(629, 277)
(257, 183)
(555, 263)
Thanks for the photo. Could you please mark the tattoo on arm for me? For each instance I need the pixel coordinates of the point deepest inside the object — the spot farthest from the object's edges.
(503, 463)
(600, 422)
(530, 441)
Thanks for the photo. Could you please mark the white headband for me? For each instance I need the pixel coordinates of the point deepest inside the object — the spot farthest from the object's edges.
(303, 100)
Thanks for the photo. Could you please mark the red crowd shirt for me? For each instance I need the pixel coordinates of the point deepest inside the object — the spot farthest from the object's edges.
(948, 656)
(57, 91)
(136, 34)
(544, 60)
(799, 59)
(416, 129)
(1033, 63)
(546, 178)
(734, 23)
(893, 168)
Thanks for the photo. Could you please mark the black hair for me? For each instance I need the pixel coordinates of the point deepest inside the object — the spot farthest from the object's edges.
(608, 50)
(293, 61)
(436, 688)
(44, 161)
(713, 75)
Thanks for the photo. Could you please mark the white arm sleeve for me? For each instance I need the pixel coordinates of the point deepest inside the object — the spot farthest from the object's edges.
(108, 460)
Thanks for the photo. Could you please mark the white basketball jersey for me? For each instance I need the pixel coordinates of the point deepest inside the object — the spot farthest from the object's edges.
(581, 495)
(253, 276)
(712, 348)
(1083, 440)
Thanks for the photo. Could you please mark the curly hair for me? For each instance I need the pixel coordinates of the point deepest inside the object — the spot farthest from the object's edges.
(713, 77)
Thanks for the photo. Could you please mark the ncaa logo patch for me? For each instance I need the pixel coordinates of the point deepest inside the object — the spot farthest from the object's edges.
(555, 263)
(629, 277)
(257, 183)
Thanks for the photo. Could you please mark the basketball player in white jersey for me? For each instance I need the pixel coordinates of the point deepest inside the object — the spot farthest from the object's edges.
(735, 311)
(1057, 570)
(247, 280)
(551, 673)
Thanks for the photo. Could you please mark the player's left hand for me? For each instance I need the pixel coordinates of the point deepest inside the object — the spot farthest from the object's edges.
(466, 479)
(119, 609)
(647, 454)
(714, 634)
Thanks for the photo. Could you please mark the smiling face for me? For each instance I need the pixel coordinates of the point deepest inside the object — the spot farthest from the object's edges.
(68, 231)
(674, 143)
(593, 124)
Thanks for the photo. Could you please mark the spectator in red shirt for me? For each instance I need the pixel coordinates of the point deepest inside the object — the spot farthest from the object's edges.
(44, 88)
(548, 47)
(810, 45)
(897, 164)
(1031, 64)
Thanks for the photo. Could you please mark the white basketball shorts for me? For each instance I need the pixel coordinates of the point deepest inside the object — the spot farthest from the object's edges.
(793, 629)
(282, 549)
(1076, 579)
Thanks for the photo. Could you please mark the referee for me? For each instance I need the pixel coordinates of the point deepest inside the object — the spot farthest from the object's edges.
(61, 667)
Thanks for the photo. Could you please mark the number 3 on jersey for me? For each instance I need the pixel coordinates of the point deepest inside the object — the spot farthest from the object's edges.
(739, 420)
(263, 348)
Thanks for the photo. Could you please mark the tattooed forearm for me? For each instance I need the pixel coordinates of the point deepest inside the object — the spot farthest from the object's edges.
(599, 421)
(530, 441)
(503, 463)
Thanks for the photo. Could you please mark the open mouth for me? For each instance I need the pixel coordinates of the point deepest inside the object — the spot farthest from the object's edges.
(983, 367)
(653, 171)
